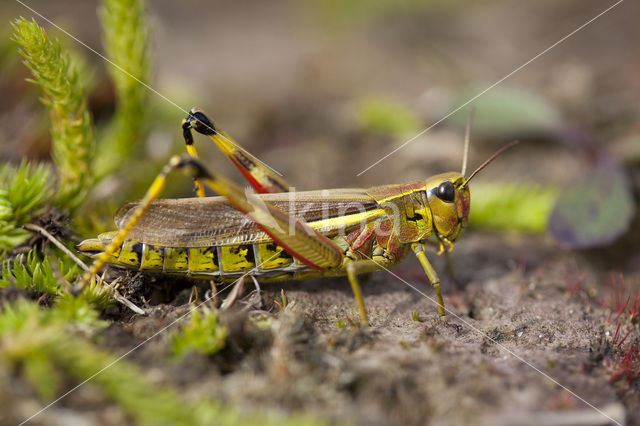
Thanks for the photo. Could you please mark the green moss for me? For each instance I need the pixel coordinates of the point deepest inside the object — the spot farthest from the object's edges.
(202, 334)
(26, 189)
(24, 192)
(42, 344)
(31, 273)
(79, 310)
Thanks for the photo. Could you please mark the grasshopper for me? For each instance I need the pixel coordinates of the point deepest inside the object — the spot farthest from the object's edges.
(278, 234)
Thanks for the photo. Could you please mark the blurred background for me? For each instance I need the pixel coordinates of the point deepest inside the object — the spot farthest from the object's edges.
(321, 90)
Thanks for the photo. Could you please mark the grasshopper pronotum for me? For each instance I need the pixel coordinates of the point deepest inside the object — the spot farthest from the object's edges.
(280, 234)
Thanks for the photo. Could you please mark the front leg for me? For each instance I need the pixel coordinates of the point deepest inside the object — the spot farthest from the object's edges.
(447, 258)
(432, 275)
(352, 274)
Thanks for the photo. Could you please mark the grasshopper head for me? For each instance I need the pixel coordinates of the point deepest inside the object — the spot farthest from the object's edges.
(448, 196)
(449, 202)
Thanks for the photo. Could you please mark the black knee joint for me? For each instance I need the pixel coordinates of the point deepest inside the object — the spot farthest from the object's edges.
(186, 132)
(199, 122)
(194, 166)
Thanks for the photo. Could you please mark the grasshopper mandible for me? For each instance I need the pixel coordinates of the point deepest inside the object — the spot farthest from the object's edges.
(279, 234)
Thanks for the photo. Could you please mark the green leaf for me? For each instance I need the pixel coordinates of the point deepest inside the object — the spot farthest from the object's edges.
(505, 112)
(595, 211)
(511, 206)
(387, 118)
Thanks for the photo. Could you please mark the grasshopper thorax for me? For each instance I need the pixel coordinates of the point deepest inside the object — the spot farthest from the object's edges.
(438, 206)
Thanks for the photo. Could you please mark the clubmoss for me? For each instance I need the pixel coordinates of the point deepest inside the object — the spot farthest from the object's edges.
(126, 41)
(64, 94)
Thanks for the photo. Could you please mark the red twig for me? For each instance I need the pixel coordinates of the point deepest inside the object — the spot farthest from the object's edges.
(615, 336)
(619, 304)
(627, 365)
(634, 312)
(572, 285)
(625, 337)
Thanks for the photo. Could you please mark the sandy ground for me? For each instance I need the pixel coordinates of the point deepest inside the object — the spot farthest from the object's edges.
(524, 344)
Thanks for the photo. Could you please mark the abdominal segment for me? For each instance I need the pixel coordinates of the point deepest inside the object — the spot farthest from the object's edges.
(206, 262)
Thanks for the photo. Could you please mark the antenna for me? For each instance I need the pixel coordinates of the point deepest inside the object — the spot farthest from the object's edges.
(493, 157)
(467, 138)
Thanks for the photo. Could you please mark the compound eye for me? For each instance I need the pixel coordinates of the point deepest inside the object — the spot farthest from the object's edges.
(446, 191)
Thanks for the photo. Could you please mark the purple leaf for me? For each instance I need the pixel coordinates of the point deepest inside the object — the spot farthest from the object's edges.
(593, 212)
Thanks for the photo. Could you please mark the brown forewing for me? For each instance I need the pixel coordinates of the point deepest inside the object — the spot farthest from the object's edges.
(210, 221)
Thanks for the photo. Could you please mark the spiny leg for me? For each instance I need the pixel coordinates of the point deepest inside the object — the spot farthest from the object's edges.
(261, 178)
(352, 274)
(191, 149)
(418, 250)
